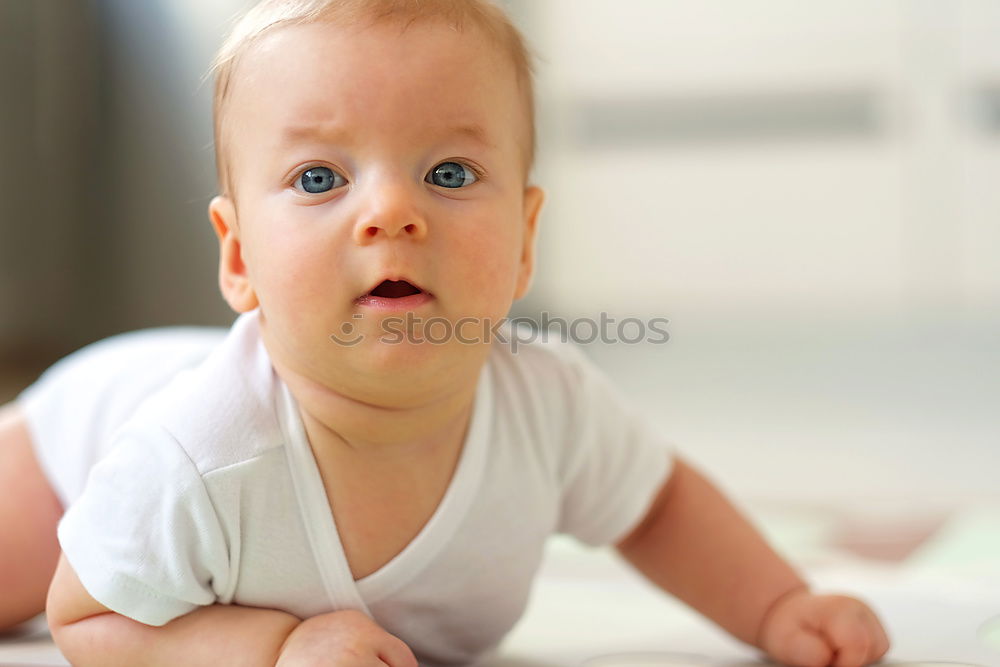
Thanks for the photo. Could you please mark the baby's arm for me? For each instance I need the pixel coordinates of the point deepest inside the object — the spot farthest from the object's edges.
(88, 633)
(694, 544)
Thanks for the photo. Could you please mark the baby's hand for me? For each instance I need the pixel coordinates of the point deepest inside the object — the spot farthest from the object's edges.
(808, 630)
(345, 639)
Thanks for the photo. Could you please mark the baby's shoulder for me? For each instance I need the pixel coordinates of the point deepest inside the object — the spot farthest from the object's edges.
(537, 352)
(221, 412)
(538, 373)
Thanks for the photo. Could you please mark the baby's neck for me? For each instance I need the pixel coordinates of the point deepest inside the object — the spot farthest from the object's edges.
(340, 427)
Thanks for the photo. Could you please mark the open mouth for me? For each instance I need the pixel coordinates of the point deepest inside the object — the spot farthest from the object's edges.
(395, 289)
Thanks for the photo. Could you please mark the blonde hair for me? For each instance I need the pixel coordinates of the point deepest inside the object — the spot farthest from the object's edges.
(269, 14)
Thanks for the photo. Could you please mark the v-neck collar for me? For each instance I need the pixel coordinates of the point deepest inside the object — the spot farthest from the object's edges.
(342, 589)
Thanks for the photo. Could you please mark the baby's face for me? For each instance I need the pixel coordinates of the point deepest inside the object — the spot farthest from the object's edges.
(371, 154)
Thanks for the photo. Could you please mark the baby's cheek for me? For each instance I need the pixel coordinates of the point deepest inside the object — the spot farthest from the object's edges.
(490, 277)
(294, 282)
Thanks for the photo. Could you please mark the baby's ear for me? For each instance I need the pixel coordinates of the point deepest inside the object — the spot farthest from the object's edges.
(533, 198)
(233, 279)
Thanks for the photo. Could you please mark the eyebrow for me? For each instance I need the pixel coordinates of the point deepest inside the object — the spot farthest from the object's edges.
(296, 133)
(474, 132)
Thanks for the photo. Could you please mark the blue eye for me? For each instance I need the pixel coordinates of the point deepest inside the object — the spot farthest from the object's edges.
(451, 175)
(318, 180)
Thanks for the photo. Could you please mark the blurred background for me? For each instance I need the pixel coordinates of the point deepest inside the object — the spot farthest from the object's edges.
(809, 192)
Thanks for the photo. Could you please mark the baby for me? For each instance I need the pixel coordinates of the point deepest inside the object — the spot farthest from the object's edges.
(309, 490)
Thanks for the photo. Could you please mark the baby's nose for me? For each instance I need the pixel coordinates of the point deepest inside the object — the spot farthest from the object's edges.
(390, 211)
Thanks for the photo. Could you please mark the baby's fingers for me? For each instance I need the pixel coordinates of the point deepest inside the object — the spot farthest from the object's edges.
(856, 636)
(880, 641)
(850, 640)
(395, 653)
(805, 649)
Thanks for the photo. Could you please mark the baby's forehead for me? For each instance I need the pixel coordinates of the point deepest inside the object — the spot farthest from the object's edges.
(375, 72)
(323, 64)
(380, 36)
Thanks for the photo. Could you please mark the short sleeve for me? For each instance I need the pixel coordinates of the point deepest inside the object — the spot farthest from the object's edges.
(76, 405)
(143, 537)
(615, 460)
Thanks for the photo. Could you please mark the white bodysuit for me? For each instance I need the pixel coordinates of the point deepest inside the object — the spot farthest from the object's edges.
(208, 492)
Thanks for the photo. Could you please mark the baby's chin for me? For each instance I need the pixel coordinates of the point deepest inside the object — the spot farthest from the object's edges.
(403, 355)
(398, 374)
(416, 355)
